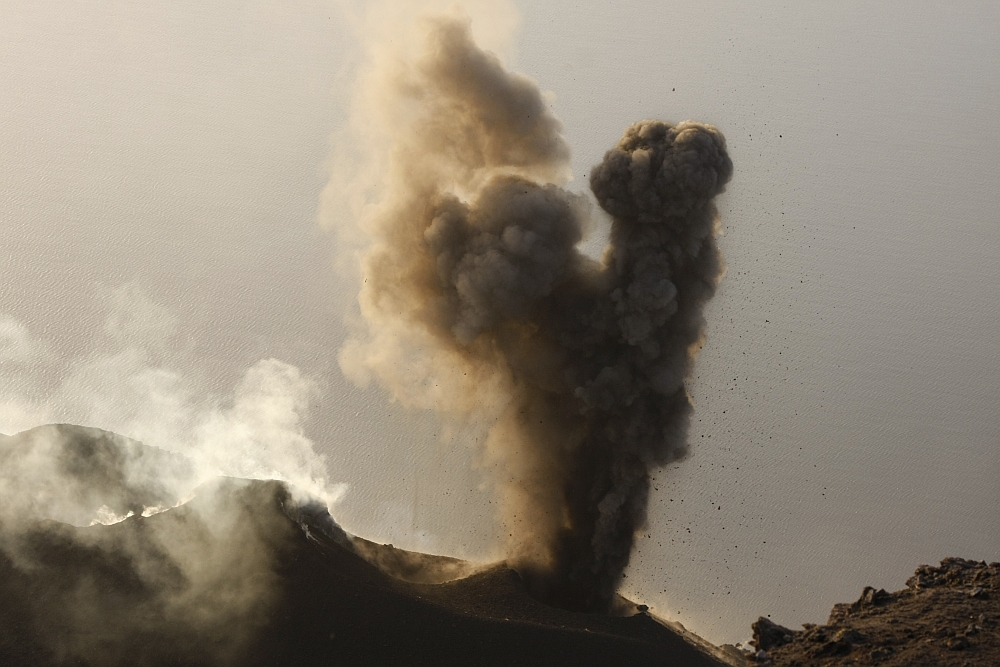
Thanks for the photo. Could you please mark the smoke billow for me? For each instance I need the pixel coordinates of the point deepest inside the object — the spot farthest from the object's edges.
(190, 569)
(480, 305)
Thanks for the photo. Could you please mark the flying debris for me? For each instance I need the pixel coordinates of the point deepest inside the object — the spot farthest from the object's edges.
(481, 305)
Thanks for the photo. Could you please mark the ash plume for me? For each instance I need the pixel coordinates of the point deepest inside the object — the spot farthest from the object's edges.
(480, 305)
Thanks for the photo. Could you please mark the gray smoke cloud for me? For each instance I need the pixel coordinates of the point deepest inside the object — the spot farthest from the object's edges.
(480, 306)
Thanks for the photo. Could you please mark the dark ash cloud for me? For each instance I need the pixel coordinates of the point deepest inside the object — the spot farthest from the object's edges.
(480, 304)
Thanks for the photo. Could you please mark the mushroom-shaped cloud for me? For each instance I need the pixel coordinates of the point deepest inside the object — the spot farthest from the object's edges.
(659, 170)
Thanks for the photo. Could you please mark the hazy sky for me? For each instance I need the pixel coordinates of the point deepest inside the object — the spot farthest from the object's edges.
(162, 164)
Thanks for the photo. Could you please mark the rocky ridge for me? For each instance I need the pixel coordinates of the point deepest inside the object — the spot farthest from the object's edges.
(947, 616)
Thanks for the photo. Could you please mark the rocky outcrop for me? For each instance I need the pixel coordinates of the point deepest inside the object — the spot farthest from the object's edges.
(947, 616)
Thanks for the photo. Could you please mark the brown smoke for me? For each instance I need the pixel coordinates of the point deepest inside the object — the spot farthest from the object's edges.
(480, 304)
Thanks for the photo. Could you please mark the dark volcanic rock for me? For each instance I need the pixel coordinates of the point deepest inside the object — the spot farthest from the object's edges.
(243, 575)
(767, 634)
(946, 617)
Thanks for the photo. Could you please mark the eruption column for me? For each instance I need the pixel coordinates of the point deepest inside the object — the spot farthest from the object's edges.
(480, 303)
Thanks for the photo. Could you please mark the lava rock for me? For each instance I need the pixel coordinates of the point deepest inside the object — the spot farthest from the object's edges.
(767, 634)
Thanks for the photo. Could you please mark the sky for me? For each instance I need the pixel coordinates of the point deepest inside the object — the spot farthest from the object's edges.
(165, 233)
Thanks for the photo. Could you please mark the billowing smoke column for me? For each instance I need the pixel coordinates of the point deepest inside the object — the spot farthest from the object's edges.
(480, 303)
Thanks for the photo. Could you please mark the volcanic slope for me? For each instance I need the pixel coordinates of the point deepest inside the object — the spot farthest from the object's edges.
(246, 573)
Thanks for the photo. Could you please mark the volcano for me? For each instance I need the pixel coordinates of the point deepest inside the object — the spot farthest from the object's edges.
(248, 572)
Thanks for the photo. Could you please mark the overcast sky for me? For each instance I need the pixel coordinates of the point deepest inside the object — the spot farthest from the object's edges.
(162, 165)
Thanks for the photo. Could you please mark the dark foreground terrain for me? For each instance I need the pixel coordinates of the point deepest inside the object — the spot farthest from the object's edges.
(245, 575)
(252, 573)
(947, 616)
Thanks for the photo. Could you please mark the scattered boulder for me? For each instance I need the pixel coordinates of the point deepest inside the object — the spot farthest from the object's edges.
(957, 644)
(871, 597)
(767, 634)
(850, 636)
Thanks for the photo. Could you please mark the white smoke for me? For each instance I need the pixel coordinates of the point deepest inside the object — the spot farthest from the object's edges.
(203, 576)
(141, 382)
